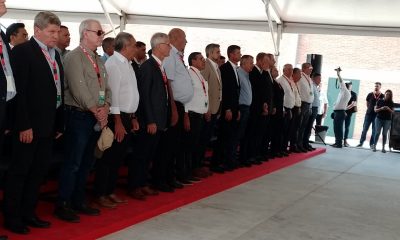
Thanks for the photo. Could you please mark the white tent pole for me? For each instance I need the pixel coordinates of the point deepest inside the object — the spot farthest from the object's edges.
(108, 17)
(122, 22)
(270, 26)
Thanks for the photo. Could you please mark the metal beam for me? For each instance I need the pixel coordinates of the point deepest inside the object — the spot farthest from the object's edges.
(122, 22)
(270, 26)
(108, 17)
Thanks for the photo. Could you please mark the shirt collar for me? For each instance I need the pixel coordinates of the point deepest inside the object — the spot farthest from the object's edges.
(42, 45)
(173, 49)
(259, 69)
(157, 59)
(195, 69)
(121, 57)
(212, 62)
(243, 71)
(233, 65)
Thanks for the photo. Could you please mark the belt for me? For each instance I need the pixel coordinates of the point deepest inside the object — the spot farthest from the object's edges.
(128, 115)
(339, 110)
(73, 108)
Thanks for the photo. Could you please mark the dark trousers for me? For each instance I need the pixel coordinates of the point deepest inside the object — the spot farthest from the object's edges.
(144, 152)
(347, 122)
(384, 125)
(368, 120)
(305, 115)
(338, 123)
(227, 139)
(163, 163)
(207, 132)
(277, 131)
(80, 141)
(253, 139)
(287, 122)
(295, 126)
(309, 126)
(191, 144)
(106, 170)
(242, 129)
(318, 119)
(25, 174)
(266, 135)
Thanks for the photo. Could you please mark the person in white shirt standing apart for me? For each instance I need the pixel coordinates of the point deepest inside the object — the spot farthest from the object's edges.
(124, 103)
(307, 97)
(195, 110)
(340, 111)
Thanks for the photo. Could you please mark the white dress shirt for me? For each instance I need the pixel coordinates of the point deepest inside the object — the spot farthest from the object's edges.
(199, 102)
(235, 68)
(297, 98)
(287, 85)
(305, 88)
(343, 97)
(123, 84)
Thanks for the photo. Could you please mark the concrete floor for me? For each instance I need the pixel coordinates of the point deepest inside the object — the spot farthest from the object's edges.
(343, 194)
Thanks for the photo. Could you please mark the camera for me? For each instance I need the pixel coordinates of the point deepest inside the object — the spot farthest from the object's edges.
(338, 69)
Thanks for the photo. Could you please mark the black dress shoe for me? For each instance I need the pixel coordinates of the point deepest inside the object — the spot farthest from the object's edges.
(36, 222)
(3, 237)
(17, 228)
(86, 210)
(164, 188)
(176, 185)
(336, 146)
(217, 169)
(65, 213)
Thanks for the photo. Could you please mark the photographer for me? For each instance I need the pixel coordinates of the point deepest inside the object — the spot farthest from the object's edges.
(351, 108)
(339, 110)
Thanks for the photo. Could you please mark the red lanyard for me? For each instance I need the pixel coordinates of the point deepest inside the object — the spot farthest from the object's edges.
(164, 77)
(94, 64)
(287, 79)
(53, 64)
(3, 62)
(308, 81)
(202, 82)
(377, 97)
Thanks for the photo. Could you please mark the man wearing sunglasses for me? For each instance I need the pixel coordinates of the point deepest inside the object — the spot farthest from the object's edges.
(87, 99)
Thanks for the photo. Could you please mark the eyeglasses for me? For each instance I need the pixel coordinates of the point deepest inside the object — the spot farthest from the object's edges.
(98, 32)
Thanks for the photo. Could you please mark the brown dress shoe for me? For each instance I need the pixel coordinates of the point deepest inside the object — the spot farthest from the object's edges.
(148, 191)
(105, 202)
(115, 199)
(137, 194)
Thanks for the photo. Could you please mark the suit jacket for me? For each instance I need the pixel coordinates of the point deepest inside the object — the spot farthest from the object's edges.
(153, 103)
(279, 94)
(3, 85)
(136, 69)
(259, 88)
(214, 87)
(36, 97)
(269, 90)
(231, 89)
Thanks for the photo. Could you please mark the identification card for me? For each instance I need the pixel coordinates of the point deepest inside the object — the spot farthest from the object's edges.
(311, 94)
(102, 98)
(206, 104)
(58, 100)
(10, 84)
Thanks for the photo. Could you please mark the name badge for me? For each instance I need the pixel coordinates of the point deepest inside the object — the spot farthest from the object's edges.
(311, 93)
(206, 104)
(10, 84)
(58, 100)
(102, 98)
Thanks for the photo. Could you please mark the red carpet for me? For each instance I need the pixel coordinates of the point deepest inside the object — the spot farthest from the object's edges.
(135, 211)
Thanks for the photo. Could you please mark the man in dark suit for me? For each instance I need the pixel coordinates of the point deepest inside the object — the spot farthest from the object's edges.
(269, 64)
(153, 117)
(259, 107)
(230, 114)
(38, 79)
(277, 118)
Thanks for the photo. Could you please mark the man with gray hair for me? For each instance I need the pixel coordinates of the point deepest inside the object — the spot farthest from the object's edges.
(87, 100)
(153, 115)
(39, 78)
(125, 100)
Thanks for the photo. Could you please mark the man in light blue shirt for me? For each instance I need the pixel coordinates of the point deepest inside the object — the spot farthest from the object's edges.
(108, 48)
(182, 93)
(245, 98)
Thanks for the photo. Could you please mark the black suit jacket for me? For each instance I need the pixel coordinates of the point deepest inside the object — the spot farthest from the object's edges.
(279, 94)
(153, 103)
(259, 88)
(230, 89)
(269, 90)
(36, 91)
(3, 85)
(136, 69)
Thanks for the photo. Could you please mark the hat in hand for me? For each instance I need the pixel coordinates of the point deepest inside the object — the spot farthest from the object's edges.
(105, 141)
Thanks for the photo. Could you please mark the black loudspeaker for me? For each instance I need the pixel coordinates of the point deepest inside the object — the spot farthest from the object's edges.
(316, 62)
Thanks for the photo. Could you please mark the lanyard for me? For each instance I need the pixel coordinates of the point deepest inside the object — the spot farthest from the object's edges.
(308, 81)
(94, 64)
(202, 82)
(53, 65)
(164, 76)
(287, 79)
(3, 61)
(377, 97)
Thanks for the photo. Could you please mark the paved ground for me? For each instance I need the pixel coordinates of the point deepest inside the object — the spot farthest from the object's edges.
(343, 194)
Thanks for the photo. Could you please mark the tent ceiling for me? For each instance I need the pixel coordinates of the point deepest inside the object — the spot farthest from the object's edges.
(355, 17)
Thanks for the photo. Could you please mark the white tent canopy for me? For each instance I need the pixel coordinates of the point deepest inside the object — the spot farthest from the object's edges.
(353, 17)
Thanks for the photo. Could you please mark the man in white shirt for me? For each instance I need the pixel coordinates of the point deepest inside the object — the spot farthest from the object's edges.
(307, 97)
(125, 100)
(193, 119)
(339, 111)
(296, 113)
(288, 100)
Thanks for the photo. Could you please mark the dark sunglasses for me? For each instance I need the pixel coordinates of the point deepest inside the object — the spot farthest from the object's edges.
(98, 32)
